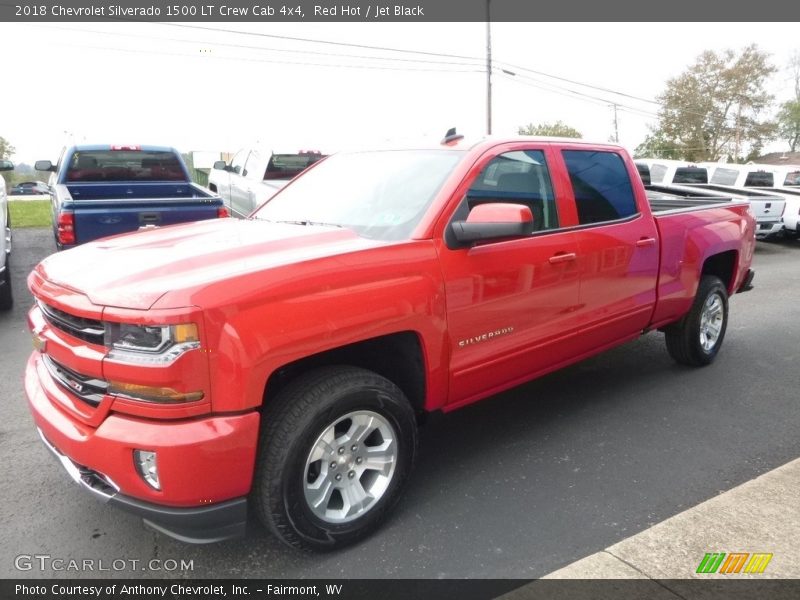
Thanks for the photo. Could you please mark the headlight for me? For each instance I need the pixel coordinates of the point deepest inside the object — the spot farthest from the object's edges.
(150, 344)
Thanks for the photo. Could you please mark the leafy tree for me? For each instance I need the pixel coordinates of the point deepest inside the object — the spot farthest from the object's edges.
(789, 115)
(557, 129)
(716, 106)
(6, 149)
(655, 145)
(789, 123)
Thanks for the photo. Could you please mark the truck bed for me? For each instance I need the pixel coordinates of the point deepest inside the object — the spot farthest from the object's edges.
(664, 198)
(137, 191)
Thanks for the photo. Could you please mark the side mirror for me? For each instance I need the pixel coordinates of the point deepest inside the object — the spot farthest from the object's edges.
(494, 221)
(44, 165)
(220, 165)
(6, 165)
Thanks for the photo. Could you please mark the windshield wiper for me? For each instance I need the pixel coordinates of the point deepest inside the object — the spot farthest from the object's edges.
(310, 223)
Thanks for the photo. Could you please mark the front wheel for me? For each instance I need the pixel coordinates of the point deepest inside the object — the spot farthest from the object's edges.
(696, 339)
(336, 447)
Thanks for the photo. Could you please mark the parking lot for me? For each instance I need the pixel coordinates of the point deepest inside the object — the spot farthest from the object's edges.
(572, 463)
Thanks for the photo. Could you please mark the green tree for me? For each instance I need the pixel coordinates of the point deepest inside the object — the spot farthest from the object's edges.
(557, 129)
(789, 123)
(6, 149)
(655, 145)
(716, 106)
(789, 115)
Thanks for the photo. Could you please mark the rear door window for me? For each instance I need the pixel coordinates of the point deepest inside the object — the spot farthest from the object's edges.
(657, 173)
(601, 186)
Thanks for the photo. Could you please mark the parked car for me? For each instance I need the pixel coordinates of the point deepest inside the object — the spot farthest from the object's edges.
(288, 357)
(30, 187)
(103, 190)
(6, 299)
(255, 175)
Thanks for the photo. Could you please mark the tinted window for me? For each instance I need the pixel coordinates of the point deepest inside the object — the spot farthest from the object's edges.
(519, 177)
(759, 179)
(123, 165)
(724, 176)
(601, 185)
(657, 173)
(286, 166)
(644, 172)
(792, 178)
(690, 175)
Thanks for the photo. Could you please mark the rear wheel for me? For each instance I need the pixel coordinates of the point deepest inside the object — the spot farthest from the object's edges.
(336, 447)
(696, 339)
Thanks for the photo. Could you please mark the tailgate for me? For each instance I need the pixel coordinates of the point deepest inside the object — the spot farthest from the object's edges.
(95, 220)
(767, 210)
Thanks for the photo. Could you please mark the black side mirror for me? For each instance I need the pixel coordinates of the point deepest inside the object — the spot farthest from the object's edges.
(494, 221)
(6, 165)
(44, 165)
(220, 165)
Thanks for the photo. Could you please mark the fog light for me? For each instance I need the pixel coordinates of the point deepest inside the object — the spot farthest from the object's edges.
(147, 466)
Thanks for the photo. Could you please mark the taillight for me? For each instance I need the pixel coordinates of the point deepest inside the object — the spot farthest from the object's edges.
(65, 226)
(222, 212)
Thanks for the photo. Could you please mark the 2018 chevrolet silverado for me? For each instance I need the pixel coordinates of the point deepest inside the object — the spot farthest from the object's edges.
(102, 190)
(6, 298)
(283, 361)
(255, 175)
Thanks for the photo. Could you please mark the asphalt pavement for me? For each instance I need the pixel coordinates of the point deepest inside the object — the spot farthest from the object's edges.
(517, 486)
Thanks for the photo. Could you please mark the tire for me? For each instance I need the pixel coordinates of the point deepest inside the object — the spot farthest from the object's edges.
(307, 441)
(696, 339)
(6, 298)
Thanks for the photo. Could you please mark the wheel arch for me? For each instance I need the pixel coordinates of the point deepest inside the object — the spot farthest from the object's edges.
(399, 357)
(724, 266)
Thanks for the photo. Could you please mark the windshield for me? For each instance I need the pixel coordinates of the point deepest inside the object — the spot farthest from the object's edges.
(379, 195)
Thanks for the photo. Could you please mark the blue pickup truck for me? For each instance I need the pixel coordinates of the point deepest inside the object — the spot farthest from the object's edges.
(102, 190)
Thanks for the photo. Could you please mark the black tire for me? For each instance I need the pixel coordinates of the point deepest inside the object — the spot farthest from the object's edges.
(685, 339)
(6, 298)
(293, 424)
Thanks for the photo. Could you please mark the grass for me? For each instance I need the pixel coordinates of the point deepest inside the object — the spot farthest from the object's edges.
(29, 213)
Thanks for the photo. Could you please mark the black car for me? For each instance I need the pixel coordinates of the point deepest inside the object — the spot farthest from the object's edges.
(29, 187)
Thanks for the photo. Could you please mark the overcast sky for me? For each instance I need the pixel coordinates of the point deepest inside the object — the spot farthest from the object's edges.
(203, 89)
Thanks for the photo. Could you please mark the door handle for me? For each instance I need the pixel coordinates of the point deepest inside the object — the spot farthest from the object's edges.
(644, 242)
(562, 257)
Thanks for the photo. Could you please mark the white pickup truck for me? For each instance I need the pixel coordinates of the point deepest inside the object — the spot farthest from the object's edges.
(773, 179)
(5, 241)
(254, 175)
(766, 205)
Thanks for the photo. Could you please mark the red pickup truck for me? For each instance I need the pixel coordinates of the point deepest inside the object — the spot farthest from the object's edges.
(284, 361)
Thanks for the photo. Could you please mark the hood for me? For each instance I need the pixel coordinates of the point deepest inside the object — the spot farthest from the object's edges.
(134, 270)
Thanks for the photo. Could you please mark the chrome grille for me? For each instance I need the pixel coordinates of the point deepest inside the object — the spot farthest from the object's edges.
(86, 388)
(88, 330)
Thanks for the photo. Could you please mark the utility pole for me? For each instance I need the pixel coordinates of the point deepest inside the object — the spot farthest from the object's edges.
(488, 67)
(616, 125)
(738, 138)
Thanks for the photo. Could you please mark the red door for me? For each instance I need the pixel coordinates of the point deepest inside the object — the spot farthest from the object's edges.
(511, 305)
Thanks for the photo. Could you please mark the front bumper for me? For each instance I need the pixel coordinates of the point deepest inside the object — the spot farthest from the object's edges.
(205, 464)
(201, 525)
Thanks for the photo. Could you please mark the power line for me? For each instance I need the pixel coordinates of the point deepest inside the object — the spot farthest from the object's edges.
(278, 62)
(259, 48)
